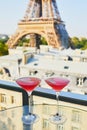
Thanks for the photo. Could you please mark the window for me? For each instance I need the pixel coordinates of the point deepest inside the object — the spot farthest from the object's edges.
(45, 124)
(59, 127)
(13, 114)
(9, 121)
(79, 81)
(76, 116)
(12, 99)
(35, 72)
(3, 98)
(45, 109)
(66, 67)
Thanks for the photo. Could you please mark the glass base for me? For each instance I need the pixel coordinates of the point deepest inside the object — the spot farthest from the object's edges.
(30, 119)
(57, 119)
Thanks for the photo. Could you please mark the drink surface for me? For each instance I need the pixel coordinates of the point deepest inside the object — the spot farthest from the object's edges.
(28, 83)
(57, 83)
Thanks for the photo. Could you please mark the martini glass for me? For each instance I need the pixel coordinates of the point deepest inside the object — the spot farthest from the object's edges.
(29, 84)
(57, 84)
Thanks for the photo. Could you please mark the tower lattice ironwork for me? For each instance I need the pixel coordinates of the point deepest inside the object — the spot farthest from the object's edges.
(42, 17)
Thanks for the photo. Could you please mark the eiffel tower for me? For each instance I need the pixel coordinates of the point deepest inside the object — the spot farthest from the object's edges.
(42, 17)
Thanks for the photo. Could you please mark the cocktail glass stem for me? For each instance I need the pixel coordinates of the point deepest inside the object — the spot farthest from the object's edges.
(29, 102)
(28, 117)
(57, 97)
(57, 118)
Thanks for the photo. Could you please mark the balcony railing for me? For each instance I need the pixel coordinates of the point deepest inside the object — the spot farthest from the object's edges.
(73, 107)
(42, 92)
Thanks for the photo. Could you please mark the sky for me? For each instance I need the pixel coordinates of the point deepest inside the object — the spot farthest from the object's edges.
(72, 12)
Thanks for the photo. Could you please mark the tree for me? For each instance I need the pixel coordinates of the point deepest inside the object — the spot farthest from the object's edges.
(43, 41)
(75, 41)
(3, 38)
(23, 41)
(3, 49)
(80, 43)
(85, 46)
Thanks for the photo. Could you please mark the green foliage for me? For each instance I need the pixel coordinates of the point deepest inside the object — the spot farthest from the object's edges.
(23, 41)
(3, 49)
(4, 39)
(79, 43)
(26, 40)
(20, 43)
(75, 41)
(85, 46)
(43, 41)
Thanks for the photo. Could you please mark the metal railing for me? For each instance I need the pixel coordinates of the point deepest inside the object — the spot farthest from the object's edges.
(44, 92)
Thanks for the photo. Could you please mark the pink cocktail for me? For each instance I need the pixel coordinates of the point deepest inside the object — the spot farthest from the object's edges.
(29, 84)
(57, 84)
